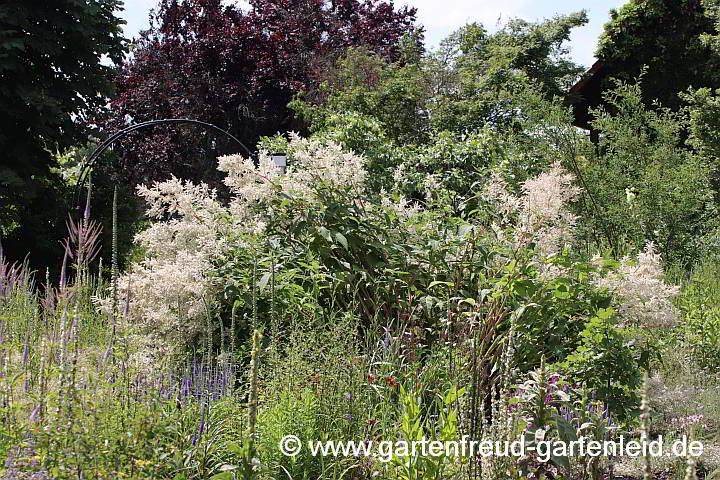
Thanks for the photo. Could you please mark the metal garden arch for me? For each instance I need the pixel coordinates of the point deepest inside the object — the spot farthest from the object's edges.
(93, 158)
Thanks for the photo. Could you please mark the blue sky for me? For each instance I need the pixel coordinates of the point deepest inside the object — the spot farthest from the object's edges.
(442, 17)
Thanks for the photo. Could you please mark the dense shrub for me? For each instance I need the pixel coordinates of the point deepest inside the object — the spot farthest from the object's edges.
(649, 187)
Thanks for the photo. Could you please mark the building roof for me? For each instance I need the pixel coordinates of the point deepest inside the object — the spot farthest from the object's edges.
(587, 93)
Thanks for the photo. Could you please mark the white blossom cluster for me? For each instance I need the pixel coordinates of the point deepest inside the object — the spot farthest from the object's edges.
(170, 288)
(646, 300)
(541, 217)
(498, 192)
(405, 210)
(167, 288)
(541, 213)
(544, 217)
(313, 162)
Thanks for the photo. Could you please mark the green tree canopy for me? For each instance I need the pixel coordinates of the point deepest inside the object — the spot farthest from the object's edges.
(666, 36)
(462, 87)
(477, 67)
(51, 82)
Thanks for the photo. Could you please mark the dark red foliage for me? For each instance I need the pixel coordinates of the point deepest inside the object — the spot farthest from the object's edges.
(236, 69)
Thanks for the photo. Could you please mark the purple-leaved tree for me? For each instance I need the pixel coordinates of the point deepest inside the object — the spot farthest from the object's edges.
(237, 69)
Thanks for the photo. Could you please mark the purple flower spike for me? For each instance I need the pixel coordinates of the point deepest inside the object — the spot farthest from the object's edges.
(34, 413)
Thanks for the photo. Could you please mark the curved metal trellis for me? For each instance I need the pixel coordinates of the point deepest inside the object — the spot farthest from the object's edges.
(92, 159)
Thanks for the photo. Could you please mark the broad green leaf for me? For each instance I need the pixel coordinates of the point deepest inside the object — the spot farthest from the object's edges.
(264, 280)
(566, 431)
(325, 233)
(341, 240)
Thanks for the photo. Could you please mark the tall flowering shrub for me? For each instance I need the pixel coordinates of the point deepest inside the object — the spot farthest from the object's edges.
(540, 216)
(166, 291)
(170, 291)
(313, 161)
(545, 218)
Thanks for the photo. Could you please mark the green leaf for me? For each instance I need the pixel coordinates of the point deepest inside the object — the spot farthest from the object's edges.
(341, 240)
(518, 312)
(560, 461)
(325, 233)
(222, 476)
(264, 280)
(566, 431)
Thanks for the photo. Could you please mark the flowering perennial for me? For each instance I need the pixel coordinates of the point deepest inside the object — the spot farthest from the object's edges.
(171, 287)
(541, 211)
(646, 298)
(544, 217)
